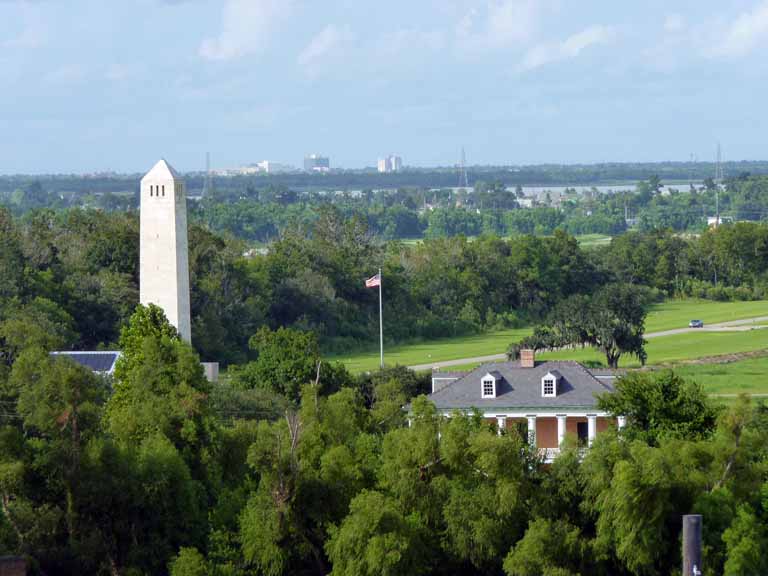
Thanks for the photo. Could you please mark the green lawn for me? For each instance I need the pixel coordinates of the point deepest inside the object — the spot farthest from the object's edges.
(592, 240)
(670, 349)
(677, 313)
(434, 350)
(665, 316)
(746, 376)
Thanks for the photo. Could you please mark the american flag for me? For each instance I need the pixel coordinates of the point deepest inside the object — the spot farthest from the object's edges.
(373, 281)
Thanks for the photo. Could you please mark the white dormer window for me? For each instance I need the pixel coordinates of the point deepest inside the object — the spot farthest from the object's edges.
(549, 384)
(488, 384)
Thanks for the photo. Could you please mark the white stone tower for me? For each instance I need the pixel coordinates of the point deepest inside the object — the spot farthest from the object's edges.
(163, 255)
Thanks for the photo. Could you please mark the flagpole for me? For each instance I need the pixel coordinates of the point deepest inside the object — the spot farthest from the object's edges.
(381, 324)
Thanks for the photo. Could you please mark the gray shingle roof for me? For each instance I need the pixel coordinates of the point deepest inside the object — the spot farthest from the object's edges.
(521, 388)
(101, 362)
(454, 374)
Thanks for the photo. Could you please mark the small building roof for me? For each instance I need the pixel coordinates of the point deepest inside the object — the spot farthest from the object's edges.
(162, 171)
(101, 362)
(519, 388)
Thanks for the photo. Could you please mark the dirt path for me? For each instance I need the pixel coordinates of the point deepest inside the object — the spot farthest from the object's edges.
(730, 326)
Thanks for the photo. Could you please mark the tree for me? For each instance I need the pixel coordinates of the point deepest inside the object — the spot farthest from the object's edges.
(617, 322)
(160, 387)
(286, 360)
(551, 547)
(43, 471)
(376, 539)
(41, 323)
(746, 540)
(613, 320)
(11, 257)
(189, 562)
(637, 495)
(659, 405)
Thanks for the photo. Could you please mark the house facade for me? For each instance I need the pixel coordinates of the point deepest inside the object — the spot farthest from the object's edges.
(546, 401)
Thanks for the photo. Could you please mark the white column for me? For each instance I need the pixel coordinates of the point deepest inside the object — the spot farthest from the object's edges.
(621, 421)
(501, 424)
(591, 428)
(560, 429)
(532, 430)
(409, 422)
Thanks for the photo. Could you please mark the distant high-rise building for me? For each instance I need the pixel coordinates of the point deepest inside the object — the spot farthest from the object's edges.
(391, 163)
(270, 167)
(163, 249)
(317, 163)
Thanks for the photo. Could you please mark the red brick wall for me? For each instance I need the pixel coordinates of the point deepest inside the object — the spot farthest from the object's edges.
(546, 432)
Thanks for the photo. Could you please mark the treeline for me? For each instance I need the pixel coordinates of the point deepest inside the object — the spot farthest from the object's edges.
(262, 214)
(445, 177)
(158, 472)
(77, 273)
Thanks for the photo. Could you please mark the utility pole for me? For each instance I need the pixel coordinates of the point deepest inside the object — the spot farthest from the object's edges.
(718, 180)
(692, 545)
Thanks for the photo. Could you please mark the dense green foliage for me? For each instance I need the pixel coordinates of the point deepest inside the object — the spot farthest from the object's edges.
(143, 478)
(294, 466)
(70, 280)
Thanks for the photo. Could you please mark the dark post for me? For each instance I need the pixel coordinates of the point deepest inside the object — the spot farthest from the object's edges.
(692, 545)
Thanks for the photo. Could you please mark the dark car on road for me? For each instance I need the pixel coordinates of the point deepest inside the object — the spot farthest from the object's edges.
(696, 324)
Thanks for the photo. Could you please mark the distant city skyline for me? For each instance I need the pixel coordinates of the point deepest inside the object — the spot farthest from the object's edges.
(94, 87)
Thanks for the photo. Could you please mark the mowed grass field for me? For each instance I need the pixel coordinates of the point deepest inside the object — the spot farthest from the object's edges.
(742, 377)
(677, 313)
(671, 349)
(665, 316)
(433, 350)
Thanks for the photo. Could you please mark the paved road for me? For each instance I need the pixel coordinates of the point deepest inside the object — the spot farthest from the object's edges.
(730, 326)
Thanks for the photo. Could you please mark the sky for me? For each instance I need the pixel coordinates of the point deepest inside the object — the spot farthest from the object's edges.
(108, 85)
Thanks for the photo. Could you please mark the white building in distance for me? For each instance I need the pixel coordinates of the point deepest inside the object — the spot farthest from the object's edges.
(317, 163)
(390, 164)
(270, 167)
(163, 248)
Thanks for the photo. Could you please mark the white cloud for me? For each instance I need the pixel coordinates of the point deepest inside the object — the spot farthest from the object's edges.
(246, 26)
(570, 48)
(501, 24)
(745, 33)
(324, 47)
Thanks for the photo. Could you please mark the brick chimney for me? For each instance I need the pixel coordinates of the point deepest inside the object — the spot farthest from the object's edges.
(527, 358)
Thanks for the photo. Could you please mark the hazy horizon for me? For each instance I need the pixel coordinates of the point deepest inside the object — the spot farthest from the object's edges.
(89, 86)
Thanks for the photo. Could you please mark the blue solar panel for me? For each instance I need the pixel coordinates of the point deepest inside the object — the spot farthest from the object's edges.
(96, 361)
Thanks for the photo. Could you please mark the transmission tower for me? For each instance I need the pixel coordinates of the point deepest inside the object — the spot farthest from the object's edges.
(208, 182)
(463, 180)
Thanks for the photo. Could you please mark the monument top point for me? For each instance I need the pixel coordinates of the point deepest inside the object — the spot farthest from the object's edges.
(162, 171)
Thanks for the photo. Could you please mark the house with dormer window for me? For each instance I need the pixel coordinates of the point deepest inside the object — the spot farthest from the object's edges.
(546, 400)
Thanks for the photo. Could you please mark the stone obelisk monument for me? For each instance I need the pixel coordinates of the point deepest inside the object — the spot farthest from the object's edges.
(163, 250)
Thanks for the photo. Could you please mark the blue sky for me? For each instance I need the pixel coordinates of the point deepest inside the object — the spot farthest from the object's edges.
(92, 85)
